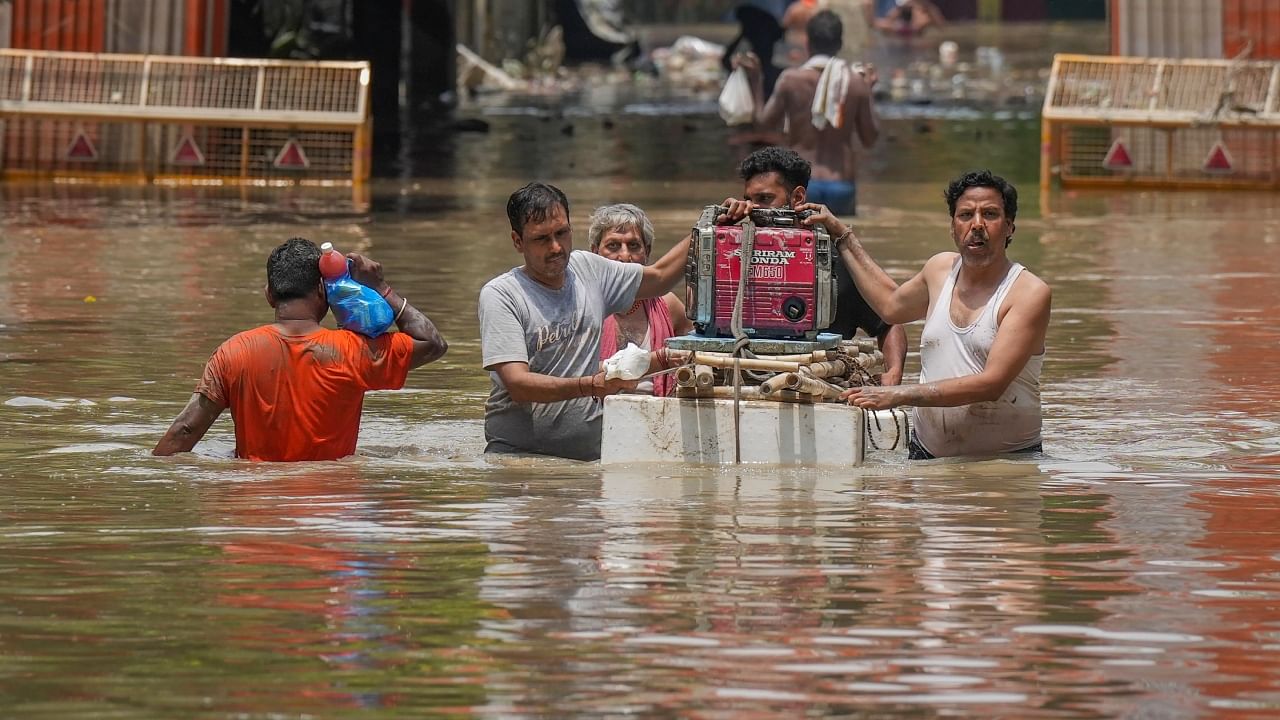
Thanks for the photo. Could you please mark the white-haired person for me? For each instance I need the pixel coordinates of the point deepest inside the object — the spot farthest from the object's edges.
(624, 233)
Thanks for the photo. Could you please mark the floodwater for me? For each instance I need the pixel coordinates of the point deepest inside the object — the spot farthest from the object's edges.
(1132, 571)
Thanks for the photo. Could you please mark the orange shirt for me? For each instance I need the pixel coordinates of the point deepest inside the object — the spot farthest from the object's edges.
(299, 397)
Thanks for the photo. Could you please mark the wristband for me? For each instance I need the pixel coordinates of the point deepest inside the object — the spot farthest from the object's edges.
(404, 301)
(385, 293)
(844, 236)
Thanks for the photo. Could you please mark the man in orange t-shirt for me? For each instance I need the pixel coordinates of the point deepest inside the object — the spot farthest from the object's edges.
(296, 388)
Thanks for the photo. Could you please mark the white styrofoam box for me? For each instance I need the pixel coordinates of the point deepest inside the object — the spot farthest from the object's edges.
(641, 428)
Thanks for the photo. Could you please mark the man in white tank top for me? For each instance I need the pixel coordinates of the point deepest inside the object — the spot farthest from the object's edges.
(982, 346)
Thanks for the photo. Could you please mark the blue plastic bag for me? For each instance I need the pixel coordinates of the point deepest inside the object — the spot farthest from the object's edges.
(355, 306)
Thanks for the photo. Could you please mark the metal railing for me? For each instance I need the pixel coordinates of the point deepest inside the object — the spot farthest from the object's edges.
(1160, 121)
(205, 103)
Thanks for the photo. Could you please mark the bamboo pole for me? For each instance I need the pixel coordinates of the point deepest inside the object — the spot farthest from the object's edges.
(832, 368)
(703, 376)
(869, 360)
(861, 344)
(685, 376)
(726, 362)
(775, 384)
(811, 386)
(804, 358)
(723, 392)
(795, 382)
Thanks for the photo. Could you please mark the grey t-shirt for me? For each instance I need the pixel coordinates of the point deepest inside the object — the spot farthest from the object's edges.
(557, 332)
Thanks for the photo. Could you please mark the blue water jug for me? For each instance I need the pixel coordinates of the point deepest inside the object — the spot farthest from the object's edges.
(357, 307)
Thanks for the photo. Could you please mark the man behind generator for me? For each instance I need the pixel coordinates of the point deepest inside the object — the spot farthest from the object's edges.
(776, 177)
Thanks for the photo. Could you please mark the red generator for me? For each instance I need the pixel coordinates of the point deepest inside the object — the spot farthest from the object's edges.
(790, 291)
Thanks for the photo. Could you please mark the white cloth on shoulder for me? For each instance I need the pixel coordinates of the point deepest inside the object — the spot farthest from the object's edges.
(833, 85)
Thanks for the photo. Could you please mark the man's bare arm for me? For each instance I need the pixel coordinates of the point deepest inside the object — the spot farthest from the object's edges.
(663, 275)
(1021, 335)
(428, 345)
(191, 425)
(864, 114)
(768, 115)
(894, 304)
(526, 386)
(893, 345)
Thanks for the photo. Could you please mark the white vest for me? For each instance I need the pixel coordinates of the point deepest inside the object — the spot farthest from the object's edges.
(1010, 423)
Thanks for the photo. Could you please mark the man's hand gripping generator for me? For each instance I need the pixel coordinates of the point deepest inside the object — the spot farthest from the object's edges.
(789, 291)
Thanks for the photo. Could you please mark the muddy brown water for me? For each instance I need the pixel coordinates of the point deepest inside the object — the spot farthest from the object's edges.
(1133, 570)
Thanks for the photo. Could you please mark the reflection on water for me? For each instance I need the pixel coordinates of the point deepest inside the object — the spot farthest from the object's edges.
(1132, 571)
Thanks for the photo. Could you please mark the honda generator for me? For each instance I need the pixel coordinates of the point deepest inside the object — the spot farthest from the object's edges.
(789, 292)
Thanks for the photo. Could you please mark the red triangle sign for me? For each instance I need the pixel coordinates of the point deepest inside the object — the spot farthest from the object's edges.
(292, 157)
(1218, 160)
(81, 148)
(186, 152)
(1118, 157)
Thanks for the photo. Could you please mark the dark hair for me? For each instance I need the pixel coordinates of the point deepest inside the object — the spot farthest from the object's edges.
(826, 33)
(983, 178)
(794, 169)
(293, 269)
(534, 203)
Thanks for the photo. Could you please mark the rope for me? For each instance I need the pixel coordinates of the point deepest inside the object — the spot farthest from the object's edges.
(747, 250)
(897, 440)
(741, 341)
(863, 374)
(737, 413)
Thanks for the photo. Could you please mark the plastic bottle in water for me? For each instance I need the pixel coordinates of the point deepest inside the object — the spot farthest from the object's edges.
(357, 307)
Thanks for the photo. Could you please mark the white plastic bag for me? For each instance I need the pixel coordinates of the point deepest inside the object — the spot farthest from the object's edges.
(629, 363)
(737, 106)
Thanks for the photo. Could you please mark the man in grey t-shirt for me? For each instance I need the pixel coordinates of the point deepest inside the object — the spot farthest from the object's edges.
(540, 330)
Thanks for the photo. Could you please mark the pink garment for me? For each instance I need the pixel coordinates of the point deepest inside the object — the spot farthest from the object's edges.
(659, 330)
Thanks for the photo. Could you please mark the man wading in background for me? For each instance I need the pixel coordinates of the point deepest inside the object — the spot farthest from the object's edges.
(826, 104)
